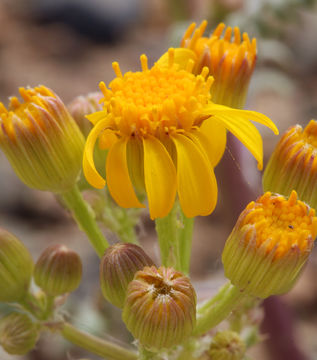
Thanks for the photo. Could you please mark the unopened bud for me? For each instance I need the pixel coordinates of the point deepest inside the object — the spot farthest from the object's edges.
(16, 267)
(118, 267)
(85, 105)
(269, 245)
(160, 308)
(293, 164)
(58, 270)
(41, 140)
(227, 345)
(18, 334)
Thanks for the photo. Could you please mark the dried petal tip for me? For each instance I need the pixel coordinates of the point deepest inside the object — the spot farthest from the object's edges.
(227, 345)
(293, 164)
(41, 140)
(160, 308)
(18, 334)
(58, 270)
(117, 268)
(16, 267)
(269, 245)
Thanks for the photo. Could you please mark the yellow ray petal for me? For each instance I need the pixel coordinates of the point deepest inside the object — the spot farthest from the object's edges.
(215, 109)
(181, 57)
(247, 133)
(196, 181)
(118, 178)
(90, 172)
(212, 136)
(96, 116)
(160, 177)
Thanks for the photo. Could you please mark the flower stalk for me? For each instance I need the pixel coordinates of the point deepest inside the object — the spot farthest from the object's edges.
(85, 219)
(218, 308)
(95, 345)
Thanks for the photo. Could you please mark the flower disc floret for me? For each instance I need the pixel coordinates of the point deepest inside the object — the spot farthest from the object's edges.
(164, 136)
(269, 244)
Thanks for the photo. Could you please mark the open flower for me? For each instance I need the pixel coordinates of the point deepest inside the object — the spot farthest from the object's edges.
(165, 135)
(230, 58)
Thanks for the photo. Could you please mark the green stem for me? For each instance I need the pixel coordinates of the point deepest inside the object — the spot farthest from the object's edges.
(85, 219)
(167, 232)
(185, 242)
(218, 308)
(96, 345)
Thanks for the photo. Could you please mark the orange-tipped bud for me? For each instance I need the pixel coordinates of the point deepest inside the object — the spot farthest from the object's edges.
(293, 164)
(227, 345)
(229, 57)
(58, 270)
(82, 106)
(117, 269)
(18, 334)
(269, 245)
(16, 267)
(41, 140)
(160, 308)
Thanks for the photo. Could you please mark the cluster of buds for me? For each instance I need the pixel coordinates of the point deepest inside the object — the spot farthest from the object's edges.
(41, 140)
(159, 304)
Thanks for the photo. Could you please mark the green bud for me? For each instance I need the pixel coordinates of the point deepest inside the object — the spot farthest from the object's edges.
(160, 307)
(117, 268)
(227, 345)
(58, 270)
(16, 267)
(18, 334)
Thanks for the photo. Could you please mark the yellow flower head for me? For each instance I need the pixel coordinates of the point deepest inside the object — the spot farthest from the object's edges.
(41, 140)
(165, 135)
(293, 164)
(269, 244)
(230, 59)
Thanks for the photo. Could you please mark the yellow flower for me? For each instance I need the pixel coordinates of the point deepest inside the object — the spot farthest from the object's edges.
(230, 60)
(269, 245)
(293, 164)
(165, 135)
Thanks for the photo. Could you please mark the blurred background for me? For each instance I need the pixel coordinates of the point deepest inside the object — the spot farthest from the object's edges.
(69, 45)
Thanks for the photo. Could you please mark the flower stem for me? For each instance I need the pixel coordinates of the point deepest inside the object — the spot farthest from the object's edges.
(217, 309)
(185, 242)
(167, 232)
(96, 345)
(85, 219)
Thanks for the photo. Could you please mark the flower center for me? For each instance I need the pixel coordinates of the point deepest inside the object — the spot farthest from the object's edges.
(156, 101)
(282, 224)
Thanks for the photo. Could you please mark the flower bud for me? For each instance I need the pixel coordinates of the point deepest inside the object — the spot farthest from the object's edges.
(117, 268)
(230, 60)
(227, 345)
(82, 106)
(41, 140)
(58, 270)
(160, 307)
(18, 334)
(293, 164)
(16, 267)
(269, 245)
